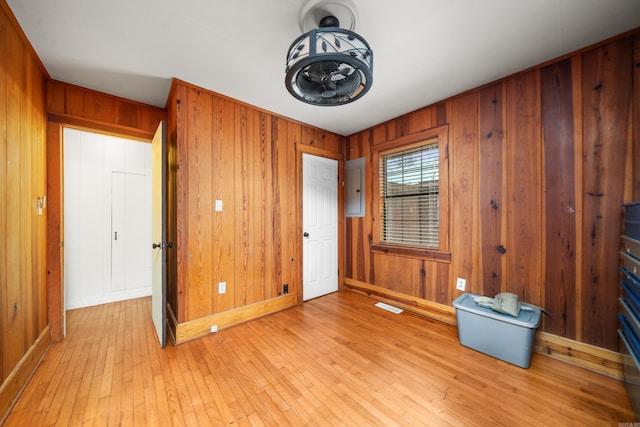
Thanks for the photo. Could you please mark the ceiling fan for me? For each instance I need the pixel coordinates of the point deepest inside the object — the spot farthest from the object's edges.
(329, 65)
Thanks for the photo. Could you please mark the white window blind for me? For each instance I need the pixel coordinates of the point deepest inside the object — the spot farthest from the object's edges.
(409, 183)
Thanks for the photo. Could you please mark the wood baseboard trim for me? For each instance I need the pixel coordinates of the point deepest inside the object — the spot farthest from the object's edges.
(197, 328)
(13, 385)
(433, 310)
(597, 359)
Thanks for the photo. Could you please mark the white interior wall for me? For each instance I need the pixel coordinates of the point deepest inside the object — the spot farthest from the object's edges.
(90, 161)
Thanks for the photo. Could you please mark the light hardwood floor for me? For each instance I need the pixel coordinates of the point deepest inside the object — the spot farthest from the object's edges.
(336, 360)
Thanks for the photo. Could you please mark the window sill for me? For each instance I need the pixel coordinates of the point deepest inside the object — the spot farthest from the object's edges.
(412, 252)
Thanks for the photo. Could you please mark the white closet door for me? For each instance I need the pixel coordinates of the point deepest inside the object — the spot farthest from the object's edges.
(128, 221)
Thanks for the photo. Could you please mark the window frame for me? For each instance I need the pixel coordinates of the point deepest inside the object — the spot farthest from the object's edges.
(442, 253)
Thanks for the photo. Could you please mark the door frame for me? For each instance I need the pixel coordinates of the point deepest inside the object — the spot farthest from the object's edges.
(307, 149)
(55, 215)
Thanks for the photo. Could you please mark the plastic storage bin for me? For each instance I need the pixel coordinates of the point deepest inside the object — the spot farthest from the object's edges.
(630, 297)
(631, 246)
(632, 229)
(630, 316)
(630, 350)
(631, 279)
(631, 264)
(632, 211)
(499, 335)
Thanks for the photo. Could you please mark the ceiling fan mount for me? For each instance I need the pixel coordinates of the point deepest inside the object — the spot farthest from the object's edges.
(315, 10)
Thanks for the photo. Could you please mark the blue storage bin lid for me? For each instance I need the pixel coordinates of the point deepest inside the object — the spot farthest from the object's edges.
(526, 319)
(631, 347)
(631, 292)
(633, 340)
(626, 205)
(629, 276)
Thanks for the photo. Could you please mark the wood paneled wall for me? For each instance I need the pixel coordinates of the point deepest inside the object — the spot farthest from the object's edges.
(540, 164)
(221, 149)
(23, 294)
(97, 111)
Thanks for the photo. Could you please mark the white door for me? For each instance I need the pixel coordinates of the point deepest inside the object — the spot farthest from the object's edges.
(159, 233)
(320, 226)
(128, 222)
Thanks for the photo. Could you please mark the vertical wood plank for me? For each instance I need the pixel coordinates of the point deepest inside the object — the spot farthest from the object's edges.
(200, 204)
(182, 211)
(99, 107)
(127, 114)
(75, 101)
(222, 221)
(524, 206)
(420, 120)
(607, 83)
(276, 175)
(56, 96)
(228, 193)
(294, 206)
(271, 280)
(364, 257)
(39, 164)
(4, 113)
(242, 186)
(577, 106)
(633, 193)
(560, 196)
(265, 285)
(441, 114)
(28, 208)
(355, 267)
(16, 310)
(463, 183)
(491, 201)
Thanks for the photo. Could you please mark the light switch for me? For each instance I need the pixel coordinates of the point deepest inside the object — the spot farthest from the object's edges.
(218, 205)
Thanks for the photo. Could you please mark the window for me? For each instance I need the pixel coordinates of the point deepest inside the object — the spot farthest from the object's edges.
(410, 189)
(412, 195)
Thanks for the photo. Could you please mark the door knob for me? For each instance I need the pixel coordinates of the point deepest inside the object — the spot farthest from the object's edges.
(305, 234)
(162, 245)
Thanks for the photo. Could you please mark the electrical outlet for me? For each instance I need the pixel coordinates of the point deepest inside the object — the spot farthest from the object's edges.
(222, 287)
(285, 288)
(461, 284)
(214, 328)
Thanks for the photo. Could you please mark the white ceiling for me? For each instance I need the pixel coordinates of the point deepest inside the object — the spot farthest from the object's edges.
(424, 50)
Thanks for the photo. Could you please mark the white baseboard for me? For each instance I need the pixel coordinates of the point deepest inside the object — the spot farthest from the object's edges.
(71, 304)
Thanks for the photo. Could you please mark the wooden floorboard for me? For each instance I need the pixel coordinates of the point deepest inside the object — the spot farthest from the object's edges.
(336, 360)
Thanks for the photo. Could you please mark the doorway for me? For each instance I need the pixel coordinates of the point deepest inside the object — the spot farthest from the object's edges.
(107, 218)
(320, 226)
